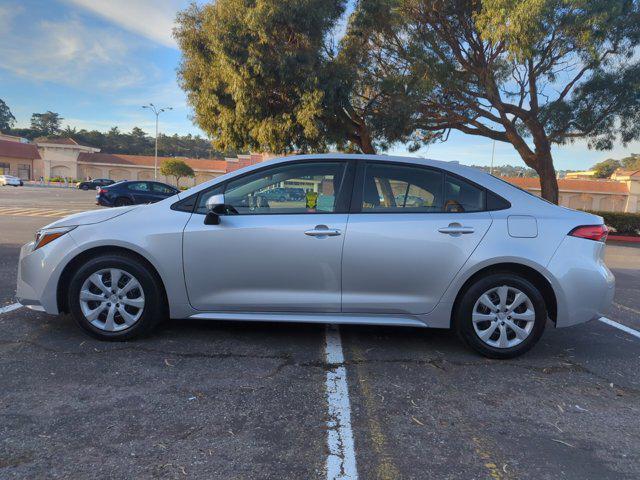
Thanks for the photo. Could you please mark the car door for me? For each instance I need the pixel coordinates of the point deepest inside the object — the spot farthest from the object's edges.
(271, 255)
(141, 192)
(410, 231)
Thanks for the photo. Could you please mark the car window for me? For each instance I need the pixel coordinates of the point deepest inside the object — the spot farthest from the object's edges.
(165, 189)
(401, 188)
(461, 196)
(139, 186)
(292, 188)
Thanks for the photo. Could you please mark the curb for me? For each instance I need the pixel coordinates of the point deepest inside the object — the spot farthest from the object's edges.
(623, 238)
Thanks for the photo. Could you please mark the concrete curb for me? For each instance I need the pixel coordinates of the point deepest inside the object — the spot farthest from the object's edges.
(623, 238)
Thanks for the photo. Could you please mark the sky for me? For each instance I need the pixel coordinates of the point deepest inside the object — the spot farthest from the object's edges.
(96, 62)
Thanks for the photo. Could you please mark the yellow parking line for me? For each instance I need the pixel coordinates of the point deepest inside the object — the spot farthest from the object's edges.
(385, 470)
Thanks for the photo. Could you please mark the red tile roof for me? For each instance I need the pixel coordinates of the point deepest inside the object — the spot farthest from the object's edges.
(56, 140)
(12, 149)
(572, 185)
(148, 161)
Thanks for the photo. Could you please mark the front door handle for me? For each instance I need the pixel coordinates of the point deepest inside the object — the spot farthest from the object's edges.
(323, 231)
(456, 229)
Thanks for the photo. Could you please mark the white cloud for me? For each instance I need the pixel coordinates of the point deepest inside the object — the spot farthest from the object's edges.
(68, 52)
(153, 19)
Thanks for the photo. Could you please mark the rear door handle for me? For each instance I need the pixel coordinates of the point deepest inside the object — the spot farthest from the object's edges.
(323, 231)
(456, 229)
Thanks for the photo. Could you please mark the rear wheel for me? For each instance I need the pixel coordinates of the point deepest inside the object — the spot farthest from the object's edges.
(115, 297)
(85, 187)
(501, 315)
(122, 202)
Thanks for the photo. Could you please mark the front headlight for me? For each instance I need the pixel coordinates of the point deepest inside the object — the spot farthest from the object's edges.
(48, 235)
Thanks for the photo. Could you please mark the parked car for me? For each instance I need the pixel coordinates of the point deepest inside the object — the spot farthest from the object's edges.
(485, 258)
(95, 183)
(11, 180)
(125, 193)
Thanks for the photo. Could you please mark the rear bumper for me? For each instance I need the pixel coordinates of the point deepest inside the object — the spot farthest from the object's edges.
(103, 202)
(585, 286)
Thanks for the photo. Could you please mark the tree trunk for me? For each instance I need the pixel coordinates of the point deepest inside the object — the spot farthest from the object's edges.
(548, 180)
(365, 143)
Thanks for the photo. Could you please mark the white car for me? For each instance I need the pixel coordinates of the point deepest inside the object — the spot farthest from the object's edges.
(475, 254)
(10, 180)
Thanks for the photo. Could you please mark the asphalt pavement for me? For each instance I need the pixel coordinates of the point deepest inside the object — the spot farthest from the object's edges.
(248, 401)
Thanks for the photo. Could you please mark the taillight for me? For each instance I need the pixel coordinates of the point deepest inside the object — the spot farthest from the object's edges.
(102, 191)
(591, 232)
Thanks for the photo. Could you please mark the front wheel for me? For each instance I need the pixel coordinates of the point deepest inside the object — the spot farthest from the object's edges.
(501, 315)
(115, 297)
(85, 187)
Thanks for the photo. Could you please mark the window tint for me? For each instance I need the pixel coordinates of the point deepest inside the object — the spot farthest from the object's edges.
(159, 188)
(461, 196)
(139, 187)
(292, 188)
(401, 188)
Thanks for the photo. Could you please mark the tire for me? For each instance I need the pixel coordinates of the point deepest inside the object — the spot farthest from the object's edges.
(128, 320)
(508, 334)
(122, 202)
(84, 187)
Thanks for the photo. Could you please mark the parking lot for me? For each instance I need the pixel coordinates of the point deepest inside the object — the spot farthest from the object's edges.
(249, 401)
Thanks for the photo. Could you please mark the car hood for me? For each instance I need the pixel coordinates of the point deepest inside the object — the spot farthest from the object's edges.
(92, 216)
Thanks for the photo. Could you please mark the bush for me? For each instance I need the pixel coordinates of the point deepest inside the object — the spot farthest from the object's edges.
(621, 223)
(61, 180)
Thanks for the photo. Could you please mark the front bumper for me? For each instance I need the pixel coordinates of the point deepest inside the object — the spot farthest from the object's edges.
(39, 272)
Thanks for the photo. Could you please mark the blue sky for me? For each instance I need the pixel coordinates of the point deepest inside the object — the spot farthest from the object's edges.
(97, 61)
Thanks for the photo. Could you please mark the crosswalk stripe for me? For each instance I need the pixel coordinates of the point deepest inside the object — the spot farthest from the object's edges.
(39, 212)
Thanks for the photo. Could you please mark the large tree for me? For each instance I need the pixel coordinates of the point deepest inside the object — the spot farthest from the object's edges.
(7, 120)
(532, 73)
(47, 123)
(270, 75)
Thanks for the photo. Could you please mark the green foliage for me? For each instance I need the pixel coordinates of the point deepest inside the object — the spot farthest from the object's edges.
(269, 75)
(136, 142)
(632, 162)
(176, 168)
(252, 71)
(623, 223)
(508, 171)
(606, 168)
(47, 123)
(7, 120)
(61, 180)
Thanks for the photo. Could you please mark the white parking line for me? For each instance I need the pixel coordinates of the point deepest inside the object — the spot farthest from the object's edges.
(619, 326)
(10, 308)
(341, 462)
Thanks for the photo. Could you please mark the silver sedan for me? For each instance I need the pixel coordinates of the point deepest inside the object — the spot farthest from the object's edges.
(358, 239)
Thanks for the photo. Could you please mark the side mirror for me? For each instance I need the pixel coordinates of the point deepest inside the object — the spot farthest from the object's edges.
(215, 208)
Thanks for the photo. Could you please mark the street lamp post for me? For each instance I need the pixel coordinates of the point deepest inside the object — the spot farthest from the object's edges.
(157, 111)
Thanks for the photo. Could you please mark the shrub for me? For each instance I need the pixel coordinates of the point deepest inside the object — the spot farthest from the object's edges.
(621, 223)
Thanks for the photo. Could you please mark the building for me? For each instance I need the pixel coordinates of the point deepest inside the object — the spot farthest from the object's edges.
(619, 194)
(65, 158)
(17, 158)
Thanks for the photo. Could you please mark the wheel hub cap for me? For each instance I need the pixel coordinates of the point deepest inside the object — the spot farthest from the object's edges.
(112, 299)
(503, 317)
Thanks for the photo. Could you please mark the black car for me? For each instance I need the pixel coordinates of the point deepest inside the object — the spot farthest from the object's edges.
(133, 193)
(95, 183)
